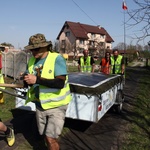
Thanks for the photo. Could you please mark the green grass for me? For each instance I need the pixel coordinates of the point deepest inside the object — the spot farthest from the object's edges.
(72, 68)
(9, 103)
(138, 136)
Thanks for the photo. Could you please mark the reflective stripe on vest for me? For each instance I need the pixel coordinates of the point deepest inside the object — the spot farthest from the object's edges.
(55, 99)
(85, 66)
(49, 97)
(117, 64)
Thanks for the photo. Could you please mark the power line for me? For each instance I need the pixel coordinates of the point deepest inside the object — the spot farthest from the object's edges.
(84, 12)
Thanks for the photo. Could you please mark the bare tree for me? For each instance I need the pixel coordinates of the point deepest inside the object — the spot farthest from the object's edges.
(131, 47)
(120, 46)
(146, 47)
(140, 16)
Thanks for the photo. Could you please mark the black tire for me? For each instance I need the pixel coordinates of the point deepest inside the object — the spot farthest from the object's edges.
(118, 108)
(119, 101)
(119, 97)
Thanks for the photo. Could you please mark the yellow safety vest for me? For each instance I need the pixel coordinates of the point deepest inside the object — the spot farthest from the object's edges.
(1, 80)
(49, 97)
(85, 66)
(117, 64)
(1, 76)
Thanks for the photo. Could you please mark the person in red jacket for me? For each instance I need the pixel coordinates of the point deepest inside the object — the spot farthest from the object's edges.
(105, 64)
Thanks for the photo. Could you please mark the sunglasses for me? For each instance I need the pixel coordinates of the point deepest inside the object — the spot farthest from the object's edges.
(35, 50)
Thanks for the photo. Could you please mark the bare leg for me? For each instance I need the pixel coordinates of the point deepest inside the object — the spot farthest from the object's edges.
(52, 143)
(3, 127)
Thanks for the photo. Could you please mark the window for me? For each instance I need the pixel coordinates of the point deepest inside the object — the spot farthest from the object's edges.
(81, 42)
(102, 36)
(93, 35)
(101, 43)
(91, 43)
(63, 42)
(67, 34)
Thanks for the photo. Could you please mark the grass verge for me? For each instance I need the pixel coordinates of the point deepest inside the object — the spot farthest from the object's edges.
(9, 103)
(138, 135)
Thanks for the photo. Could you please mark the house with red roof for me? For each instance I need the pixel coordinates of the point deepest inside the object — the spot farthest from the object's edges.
(74, 37)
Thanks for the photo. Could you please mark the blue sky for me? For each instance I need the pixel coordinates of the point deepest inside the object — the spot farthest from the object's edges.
(22, 18)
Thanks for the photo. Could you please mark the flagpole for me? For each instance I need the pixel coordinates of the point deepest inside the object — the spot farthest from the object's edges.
(124, 32)
(124, 6)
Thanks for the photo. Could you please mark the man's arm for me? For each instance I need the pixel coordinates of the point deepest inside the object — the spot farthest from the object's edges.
(93, 64)
(58, 82)
(122, 66)
(79, 67)
(93, 68)
(100, 66)
(110, 67)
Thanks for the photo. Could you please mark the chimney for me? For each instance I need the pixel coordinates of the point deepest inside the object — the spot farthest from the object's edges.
(99, 26)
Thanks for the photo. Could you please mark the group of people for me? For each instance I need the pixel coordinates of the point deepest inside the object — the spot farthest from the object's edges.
(109, 64)
(47, 78)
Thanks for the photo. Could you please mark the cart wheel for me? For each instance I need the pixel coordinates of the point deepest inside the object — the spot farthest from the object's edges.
(119, 97)
(119, 101)
(118, 108)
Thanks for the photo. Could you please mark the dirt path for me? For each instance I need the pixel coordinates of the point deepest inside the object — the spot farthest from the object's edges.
(107, 134)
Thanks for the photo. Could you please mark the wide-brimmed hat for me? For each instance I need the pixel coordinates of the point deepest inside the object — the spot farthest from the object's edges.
(37, 41)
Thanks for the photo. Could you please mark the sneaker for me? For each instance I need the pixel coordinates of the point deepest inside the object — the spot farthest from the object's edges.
(11, 137)
(1, 100)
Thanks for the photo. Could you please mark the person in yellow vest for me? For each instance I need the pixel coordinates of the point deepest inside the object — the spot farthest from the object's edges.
(47, 78)
(86, 63)
(105, 64)
(9, 132)
(1, 81)
(117, 63)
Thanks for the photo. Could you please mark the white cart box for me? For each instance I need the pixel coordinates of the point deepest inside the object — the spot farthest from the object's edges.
(93, 94)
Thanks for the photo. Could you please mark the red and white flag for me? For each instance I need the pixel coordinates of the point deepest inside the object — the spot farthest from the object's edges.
(124, 6)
